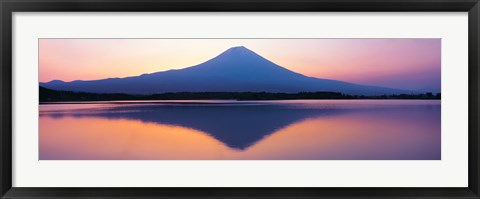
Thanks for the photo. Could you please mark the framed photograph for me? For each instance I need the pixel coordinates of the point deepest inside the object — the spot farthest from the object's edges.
(239, 99)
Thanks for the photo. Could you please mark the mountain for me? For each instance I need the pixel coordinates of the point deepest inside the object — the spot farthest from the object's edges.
(238, 69)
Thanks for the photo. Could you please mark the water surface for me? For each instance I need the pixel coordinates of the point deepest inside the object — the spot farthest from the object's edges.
(247, 130)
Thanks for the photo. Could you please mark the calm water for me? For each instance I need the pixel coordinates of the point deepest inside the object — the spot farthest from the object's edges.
(220, 129)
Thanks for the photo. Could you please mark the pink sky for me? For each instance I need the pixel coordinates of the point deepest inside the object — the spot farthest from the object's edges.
(395, 63)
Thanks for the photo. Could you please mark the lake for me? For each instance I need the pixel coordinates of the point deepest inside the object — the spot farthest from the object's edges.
(241, 130)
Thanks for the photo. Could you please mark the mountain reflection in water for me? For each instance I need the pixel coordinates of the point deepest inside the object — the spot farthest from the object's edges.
(296, 129)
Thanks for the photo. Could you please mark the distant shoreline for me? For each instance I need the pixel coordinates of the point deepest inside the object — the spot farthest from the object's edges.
(49, 95)
(192, 103)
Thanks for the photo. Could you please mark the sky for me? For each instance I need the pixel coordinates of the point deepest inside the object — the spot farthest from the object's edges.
(412, 64)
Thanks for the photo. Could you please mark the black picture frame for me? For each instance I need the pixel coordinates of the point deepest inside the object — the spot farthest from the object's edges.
(10, 6)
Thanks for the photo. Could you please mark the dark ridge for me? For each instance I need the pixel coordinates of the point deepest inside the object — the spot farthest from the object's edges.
(49, 95)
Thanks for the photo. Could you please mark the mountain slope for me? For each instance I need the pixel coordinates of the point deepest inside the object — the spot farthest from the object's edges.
(236, 70)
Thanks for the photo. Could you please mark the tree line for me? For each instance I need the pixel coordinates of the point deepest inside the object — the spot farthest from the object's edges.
(49, 95)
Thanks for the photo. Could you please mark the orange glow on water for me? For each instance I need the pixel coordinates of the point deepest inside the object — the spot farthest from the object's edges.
(346, 137)
(97, 138)
(408, 133)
